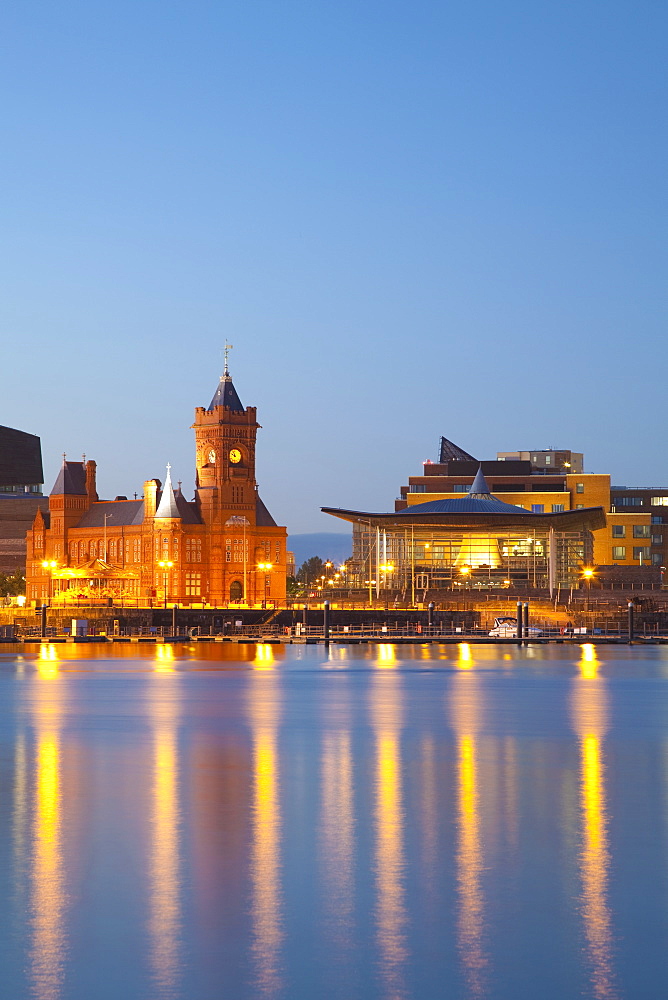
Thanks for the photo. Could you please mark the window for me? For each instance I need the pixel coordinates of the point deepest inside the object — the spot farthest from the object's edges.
(418, 488)
(657, 520)
(277, 557)
(548, 460)
(641, 553)
(236, 590)
(136, 549)
(657, 539)
(537, 508)
(557, 508)
(627, 501)
(579, 506)
(112, 548)
(618, 531)
(659, 501)
(93, 550)
(460, 488)
(194, 550)
(193, 584)
(228, 549)
(579, 487)
(39, 540)
(641, 530)
(656, 558)
(619, 552)
(56, 550)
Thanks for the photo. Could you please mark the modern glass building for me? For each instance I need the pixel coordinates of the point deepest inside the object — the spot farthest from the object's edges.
(473, 541)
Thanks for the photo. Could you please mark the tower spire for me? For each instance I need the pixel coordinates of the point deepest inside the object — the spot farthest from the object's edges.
(167, 506)
(227, 349)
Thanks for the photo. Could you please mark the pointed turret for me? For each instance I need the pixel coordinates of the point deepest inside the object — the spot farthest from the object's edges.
(71, 480)
(479, 488)
(167, 506)
(226, 394)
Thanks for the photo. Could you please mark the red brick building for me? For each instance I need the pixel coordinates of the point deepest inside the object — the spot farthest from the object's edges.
(223, 547)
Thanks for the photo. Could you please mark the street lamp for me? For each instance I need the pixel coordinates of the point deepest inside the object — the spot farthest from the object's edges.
(166, 565)
(587, 574)
(265, 567)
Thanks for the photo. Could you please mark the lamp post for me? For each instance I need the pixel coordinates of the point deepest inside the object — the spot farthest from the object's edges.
(49, 565)
(166, 565)
(587, 574)
(465, 573)
(265, 567)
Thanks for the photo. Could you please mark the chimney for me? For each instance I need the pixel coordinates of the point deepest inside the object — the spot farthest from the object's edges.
(91, 488)
(151, 487)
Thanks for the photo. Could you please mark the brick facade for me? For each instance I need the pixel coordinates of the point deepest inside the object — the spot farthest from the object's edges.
(221, 548)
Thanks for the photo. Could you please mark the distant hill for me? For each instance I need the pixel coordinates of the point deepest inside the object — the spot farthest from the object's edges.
(326, 544)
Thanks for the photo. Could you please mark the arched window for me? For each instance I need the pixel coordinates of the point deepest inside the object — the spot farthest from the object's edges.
(236, 590)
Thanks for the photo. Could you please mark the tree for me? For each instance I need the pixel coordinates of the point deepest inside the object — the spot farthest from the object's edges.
(311, 570)
(12, 584)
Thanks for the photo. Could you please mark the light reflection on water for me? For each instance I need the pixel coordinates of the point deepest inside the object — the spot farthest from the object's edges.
(433, 792)
(466, 718)
(164, 922)
(590, 720)
(265, 847)
(385, 710)
(48, 946)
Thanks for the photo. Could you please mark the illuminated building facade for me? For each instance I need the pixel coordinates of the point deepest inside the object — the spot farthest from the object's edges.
(475, 539)
(632, 544)
(223, 547)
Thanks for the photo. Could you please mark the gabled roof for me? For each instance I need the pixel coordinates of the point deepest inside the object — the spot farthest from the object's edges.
(226, 395)
(450, 452)
(263, 518)
(71, 479)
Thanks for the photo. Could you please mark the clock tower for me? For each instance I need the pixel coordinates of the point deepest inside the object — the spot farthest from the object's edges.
(240, 533)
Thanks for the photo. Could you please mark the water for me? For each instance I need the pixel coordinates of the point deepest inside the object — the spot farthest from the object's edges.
(372, 822)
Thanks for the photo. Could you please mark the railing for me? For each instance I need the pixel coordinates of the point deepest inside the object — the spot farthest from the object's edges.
(413, 632)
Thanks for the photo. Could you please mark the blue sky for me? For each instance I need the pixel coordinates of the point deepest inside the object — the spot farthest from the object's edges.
(410, 219)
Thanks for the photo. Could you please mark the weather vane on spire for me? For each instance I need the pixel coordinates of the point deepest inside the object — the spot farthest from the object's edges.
(228, 348)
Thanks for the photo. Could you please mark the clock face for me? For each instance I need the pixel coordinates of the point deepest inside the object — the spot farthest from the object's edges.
(212, 457)
(235, 456)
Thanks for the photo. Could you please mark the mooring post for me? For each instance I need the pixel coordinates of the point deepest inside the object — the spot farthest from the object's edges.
(519, 620)
(43, 621)
(526, 620)
(430, 614)
(630, 609)
(325, 619)
(174, 628)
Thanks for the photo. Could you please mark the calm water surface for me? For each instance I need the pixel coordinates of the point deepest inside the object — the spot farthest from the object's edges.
(373, 822)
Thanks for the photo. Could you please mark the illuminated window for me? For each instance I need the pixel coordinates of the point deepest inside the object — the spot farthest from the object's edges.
(579, 487)
(641, 530)
(618, 531)
(136, 549)
(193, 549)
(659, 501)
(557, 508)
(93, 550)
(619, 552)
(579, 506)
(193, 584)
